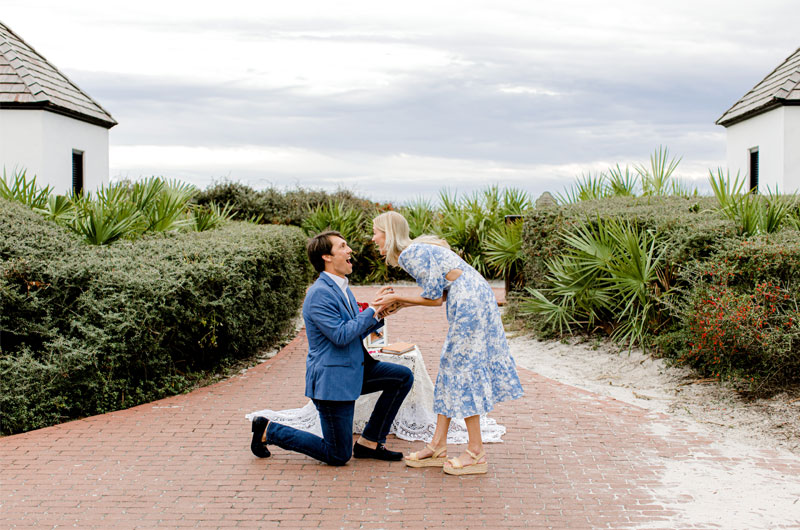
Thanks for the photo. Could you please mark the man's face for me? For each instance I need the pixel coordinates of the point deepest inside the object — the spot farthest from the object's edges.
(338, 261)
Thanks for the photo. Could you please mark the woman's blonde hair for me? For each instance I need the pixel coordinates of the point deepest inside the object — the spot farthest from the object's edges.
(398, 236)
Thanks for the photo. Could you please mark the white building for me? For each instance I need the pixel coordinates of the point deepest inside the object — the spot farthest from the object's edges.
(48, 126)
(763, 130)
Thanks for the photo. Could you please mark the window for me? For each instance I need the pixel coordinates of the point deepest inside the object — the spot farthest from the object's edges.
(77, 171)
(754, 169)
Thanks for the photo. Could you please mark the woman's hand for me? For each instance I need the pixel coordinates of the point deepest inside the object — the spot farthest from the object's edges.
(386, 296)
(385, 289)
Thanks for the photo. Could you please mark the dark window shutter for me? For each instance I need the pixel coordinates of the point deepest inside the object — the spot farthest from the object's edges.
(754, 170)
(77, 172)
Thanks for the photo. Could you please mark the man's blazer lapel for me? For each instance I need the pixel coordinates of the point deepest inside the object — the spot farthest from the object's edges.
(352, 302)
(342, 297)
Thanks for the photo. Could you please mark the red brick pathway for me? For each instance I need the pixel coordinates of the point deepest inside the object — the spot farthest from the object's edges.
(570, 459)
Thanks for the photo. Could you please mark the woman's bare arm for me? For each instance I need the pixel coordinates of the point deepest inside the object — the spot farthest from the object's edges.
(389, 298)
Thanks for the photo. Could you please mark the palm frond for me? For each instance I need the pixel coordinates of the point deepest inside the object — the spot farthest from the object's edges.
(22, 189)
(727, 191)
(420, 216)
(503, 247)
(622, 183)
(559, 317)
(58, 208)
(656, 178)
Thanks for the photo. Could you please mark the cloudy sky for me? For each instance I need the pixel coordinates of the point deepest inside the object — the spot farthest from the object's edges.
(399, 100)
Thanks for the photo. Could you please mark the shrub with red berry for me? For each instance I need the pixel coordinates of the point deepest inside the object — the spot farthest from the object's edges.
(742, 330)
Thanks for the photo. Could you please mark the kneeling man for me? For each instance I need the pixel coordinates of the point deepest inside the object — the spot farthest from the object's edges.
(339, 369)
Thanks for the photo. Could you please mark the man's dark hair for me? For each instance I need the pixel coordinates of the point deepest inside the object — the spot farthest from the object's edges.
(320, 245)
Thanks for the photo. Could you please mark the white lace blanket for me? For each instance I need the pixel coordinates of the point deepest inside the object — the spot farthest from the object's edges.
(415, 420)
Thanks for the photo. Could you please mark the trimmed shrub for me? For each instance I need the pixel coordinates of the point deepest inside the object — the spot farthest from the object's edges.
(315, 211)
(86, 329)
(726, 305)
(690, 228)
(739, 316)
(273, 206)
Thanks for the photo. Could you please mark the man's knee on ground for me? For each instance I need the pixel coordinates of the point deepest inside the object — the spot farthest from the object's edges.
(340, 458)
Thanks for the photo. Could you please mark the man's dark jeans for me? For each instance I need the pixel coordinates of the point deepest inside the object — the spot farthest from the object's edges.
(336, 417)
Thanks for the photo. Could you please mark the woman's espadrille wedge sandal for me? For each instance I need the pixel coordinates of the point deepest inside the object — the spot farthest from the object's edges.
(437, 459)
(454, 467)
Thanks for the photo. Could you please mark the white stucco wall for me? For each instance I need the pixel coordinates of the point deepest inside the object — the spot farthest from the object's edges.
(21, 140)
(791, 148)
(765, 131)
(41, 142)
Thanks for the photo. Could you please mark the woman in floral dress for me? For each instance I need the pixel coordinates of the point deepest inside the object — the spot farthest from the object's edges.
(476, 369)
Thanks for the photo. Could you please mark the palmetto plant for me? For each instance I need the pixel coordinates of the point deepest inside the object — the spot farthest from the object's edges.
(102, 223)
(144, 193)
(503, 247)
(336, 215)
(356, 229)
(634, 271)
(163, 204)
(753, 214)
(421, 217)
(462, 223)
(656, 180)
(22, 189)
(608, 278)
(58, 208)
(515, 202)
(120, 210)
(125, 210)
(747, 213)
(468, 222)
(588, 187)
(209, 216)
(728, 192)
(778, 211)
(756, 214)
(680, 188)
(621, 182)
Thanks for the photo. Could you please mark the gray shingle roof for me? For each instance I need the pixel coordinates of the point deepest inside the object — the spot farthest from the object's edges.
(780, 87)
(27, 80)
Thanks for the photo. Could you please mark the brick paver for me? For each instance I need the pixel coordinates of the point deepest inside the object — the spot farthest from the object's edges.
(570, 459)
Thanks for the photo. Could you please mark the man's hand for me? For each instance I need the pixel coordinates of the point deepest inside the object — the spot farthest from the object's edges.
(388, 309)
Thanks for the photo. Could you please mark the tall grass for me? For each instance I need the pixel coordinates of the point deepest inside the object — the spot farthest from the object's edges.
(123, 210)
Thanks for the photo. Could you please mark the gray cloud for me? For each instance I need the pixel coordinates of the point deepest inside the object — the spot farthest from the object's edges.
(563, 91)
(447, 117)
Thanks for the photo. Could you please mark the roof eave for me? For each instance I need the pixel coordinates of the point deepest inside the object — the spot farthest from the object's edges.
(775, 103)
(50, 107)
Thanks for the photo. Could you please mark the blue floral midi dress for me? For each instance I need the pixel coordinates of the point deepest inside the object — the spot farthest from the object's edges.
(476, 369)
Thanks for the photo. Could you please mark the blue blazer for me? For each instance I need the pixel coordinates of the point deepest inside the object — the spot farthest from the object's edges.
(335, 330)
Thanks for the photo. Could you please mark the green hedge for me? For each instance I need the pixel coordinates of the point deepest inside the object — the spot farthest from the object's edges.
(738, 315)
(690, 226)
(293, 207)
(87, 329)
(727, 305)
(288, 207)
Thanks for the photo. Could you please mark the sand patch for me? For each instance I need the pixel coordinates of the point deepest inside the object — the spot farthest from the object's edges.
(728, 485)
(641, 380)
